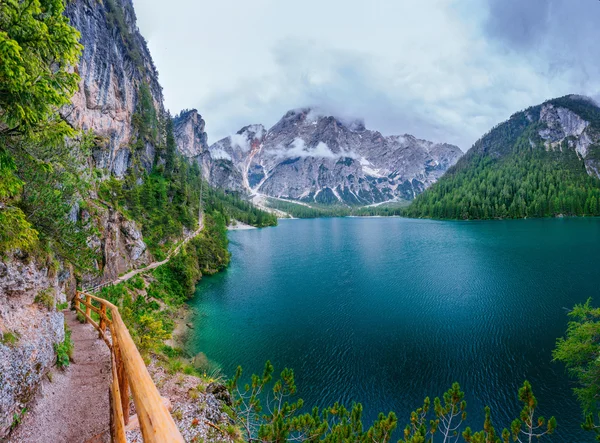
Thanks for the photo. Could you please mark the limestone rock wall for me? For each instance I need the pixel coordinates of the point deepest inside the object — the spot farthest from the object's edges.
(120, 243)
(29, 329)
(115, 61)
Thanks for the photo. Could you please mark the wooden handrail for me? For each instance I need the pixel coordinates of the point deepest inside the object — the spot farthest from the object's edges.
(129, 371)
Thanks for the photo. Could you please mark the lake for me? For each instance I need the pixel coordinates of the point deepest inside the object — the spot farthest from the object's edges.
(387, 311)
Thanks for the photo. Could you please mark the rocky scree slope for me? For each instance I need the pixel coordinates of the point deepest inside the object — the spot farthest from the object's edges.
(312, 157)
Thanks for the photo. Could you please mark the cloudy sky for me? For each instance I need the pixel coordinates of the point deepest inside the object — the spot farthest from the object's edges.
(444, 70)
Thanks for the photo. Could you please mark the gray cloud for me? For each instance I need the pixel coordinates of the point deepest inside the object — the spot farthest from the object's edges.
(455, 102)
(521, 24)
(563, 35)
(444, 70)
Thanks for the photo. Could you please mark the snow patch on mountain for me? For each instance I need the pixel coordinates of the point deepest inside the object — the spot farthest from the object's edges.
(311, 156)
(219, 154)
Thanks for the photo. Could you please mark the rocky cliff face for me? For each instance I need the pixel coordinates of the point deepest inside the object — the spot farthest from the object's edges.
(114, 63)
(192, 140)
(119, 241)
(29, 328)
(188, 128)
(318, 158)
(564, 125)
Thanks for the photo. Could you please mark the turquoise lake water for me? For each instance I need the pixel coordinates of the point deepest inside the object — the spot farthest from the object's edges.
(386, 311)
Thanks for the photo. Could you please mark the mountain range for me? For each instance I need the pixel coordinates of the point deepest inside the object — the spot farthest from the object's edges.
(313, 157)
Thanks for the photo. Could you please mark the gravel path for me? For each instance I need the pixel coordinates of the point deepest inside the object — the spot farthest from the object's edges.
(155, 264)
(74, 406)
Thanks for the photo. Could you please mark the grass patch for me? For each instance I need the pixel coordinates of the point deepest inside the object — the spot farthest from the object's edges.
(18, 418)
(64, 350)
(10, 338)
(80, 317)
(45, 298)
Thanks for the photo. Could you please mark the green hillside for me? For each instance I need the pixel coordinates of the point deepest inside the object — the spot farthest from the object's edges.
(511, 173)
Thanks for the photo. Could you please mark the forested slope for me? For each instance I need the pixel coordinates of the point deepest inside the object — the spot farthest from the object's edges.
(91, 184)
(542, 162)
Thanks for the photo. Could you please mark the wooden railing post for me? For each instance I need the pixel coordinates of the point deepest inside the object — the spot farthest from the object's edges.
(88, 309)
(124, 388)
(122, 380)
(117, 424)
(76, 299)
(102, 321)
(130, 375)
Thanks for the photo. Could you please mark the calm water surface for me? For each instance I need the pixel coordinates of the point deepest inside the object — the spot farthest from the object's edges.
(387, 311)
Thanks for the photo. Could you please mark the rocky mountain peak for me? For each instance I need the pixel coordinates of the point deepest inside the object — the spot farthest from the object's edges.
(318, 117)
(356, 125)
(253, 134)
(188, 129)
(311, 156)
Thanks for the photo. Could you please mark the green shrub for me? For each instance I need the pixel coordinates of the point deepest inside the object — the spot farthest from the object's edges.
(189, 370)
(62, 306)
(45, 298)
(10, 339)
(136, 283)
(172, 352)
(64, 350)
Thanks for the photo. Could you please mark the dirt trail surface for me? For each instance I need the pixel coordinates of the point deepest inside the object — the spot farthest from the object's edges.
(155, 264)
(74, 406)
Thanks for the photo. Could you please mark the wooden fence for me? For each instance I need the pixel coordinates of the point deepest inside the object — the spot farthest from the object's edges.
(129, 372)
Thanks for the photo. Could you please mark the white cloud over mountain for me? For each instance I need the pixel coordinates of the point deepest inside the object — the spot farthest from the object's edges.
(444, 70)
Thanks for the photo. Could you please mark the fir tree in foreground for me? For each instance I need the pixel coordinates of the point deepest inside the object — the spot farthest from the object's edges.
(266, 411)
(37, 49)
(580, 352)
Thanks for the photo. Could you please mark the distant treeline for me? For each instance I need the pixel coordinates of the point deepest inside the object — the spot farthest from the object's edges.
(233, 207)
(298, 210)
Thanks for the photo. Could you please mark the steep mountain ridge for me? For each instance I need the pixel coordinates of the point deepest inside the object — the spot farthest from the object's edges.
(191, 138)
(543, 161)
(114, 67)
(114, 64)
(313, 157)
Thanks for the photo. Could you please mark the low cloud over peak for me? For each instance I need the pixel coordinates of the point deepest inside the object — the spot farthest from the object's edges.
(442, 70)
